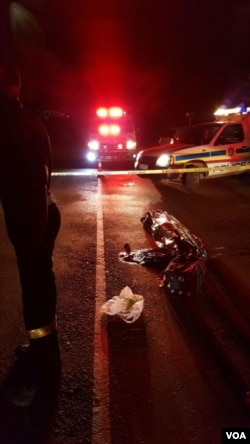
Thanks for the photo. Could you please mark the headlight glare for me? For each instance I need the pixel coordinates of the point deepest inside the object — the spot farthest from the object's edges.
(93, 145)
(91, 156)
(131, 144)
(163, 160)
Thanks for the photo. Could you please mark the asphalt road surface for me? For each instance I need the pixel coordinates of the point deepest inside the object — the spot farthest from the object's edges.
(167, 378)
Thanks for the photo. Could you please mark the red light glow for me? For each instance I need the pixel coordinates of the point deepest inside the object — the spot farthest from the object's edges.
(103, 130)
(102, 112)
(115, 111)
(109, 130)
(115, 130)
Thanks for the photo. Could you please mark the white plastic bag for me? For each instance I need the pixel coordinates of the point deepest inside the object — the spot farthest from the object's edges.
(127, 305)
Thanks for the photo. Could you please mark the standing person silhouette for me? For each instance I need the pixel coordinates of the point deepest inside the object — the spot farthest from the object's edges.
(33, 222)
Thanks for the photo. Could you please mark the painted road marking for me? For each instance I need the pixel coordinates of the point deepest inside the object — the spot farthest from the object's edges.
(101, 412)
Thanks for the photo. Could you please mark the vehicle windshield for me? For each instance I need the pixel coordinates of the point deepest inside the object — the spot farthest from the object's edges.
(170, 132)
(200, 134)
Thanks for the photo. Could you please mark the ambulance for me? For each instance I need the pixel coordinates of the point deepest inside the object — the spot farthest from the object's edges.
(111, 136)
(214, 149)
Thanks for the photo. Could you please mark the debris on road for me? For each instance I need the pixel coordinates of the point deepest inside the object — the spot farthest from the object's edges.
(150, 257)
(127, 305)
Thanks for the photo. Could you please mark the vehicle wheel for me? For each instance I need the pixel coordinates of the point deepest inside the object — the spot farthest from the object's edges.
(191, 181)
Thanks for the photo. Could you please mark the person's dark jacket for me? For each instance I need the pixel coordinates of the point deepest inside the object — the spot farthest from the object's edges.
(25, 170)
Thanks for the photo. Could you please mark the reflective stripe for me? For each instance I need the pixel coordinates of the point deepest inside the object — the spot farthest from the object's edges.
(243, 149)
(43, 331)
(200, 155)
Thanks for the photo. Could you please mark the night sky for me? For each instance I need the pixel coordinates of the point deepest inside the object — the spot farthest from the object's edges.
(158, 58)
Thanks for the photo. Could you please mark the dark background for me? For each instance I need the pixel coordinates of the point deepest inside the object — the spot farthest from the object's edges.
(159, 59)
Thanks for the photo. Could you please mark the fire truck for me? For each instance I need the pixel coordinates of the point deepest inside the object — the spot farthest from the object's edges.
(111, 136)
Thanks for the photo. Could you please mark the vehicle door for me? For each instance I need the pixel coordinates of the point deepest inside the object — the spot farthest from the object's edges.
(229, 149)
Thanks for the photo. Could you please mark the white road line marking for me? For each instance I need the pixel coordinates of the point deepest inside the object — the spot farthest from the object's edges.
(101, 414)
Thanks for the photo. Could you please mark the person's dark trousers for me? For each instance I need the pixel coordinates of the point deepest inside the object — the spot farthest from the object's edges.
(37, 279)
(42, 357)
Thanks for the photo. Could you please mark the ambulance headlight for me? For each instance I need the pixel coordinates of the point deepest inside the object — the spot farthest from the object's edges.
(93, 145)
(130, 144)
(91, 156)
(163, 161)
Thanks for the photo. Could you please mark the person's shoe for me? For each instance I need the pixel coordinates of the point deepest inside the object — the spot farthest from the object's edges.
(37, 369)
(21, 381)
(22, 350)
(24, 395)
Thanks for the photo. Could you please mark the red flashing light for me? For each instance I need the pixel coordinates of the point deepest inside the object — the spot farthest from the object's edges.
(102, 112)
(113, 112)
(109, 130)
(103, 130)
(114, 130)
(116, 111)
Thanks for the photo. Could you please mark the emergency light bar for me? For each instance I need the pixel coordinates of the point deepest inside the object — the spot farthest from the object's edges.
(102, 112)
(114, 112)
(227, 111)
